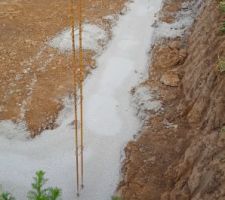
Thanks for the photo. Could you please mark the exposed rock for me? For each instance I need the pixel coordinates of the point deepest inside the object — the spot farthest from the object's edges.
(169, 11)
(166, 57)
(169, 56)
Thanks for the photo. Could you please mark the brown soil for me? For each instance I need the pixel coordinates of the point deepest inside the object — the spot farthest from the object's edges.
(180, 153)
(34, 78)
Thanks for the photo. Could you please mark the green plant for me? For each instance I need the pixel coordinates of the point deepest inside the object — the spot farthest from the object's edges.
(221, 64)
(222, 28)
(116, 198)
(222, 130)
(222, 5)
(40, 193)
(222, 8)
(6, 196)
(37, 192)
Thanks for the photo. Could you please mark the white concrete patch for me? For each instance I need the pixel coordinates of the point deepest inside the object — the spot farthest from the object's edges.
(144, 102)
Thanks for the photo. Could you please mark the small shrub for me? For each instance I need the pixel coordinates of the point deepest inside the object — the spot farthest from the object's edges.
(222, 130)
(37, 192)
(222, 28)
(221, 65)
(40, 193)
(222, 5)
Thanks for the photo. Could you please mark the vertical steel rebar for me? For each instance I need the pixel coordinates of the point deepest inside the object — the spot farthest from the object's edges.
(72, 20)
(81, 79)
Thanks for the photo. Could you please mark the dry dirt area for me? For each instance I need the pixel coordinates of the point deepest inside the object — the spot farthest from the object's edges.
(34, 78)
(180, 153)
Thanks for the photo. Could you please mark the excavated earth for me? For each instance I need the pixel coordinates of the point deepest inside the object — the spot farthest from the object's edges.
(180, 153)
(35, 78)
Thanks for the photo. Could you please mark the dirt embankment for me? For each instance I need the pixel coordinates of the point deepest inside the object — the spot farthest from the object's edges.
(180, 154)
(35, 78)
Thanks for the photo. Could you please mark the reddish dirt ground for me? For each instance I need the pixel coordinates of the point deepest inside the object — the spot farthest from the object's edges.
(34, 78)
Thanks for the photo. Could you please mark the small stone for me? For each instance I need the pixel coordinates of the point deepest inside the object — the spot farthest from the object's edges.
(165, 196)
(166, 57)
(175, 44)
(170, 79)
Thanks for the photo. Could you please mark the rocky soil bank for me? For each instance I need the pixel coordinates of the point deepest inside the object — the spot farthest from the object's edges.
(180, 153)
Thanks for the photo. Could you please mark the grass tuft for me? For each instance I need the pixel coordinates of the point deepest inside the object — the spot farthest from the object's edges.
(222, 130)
(222, 5)
(222, 28)
(221, 65)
